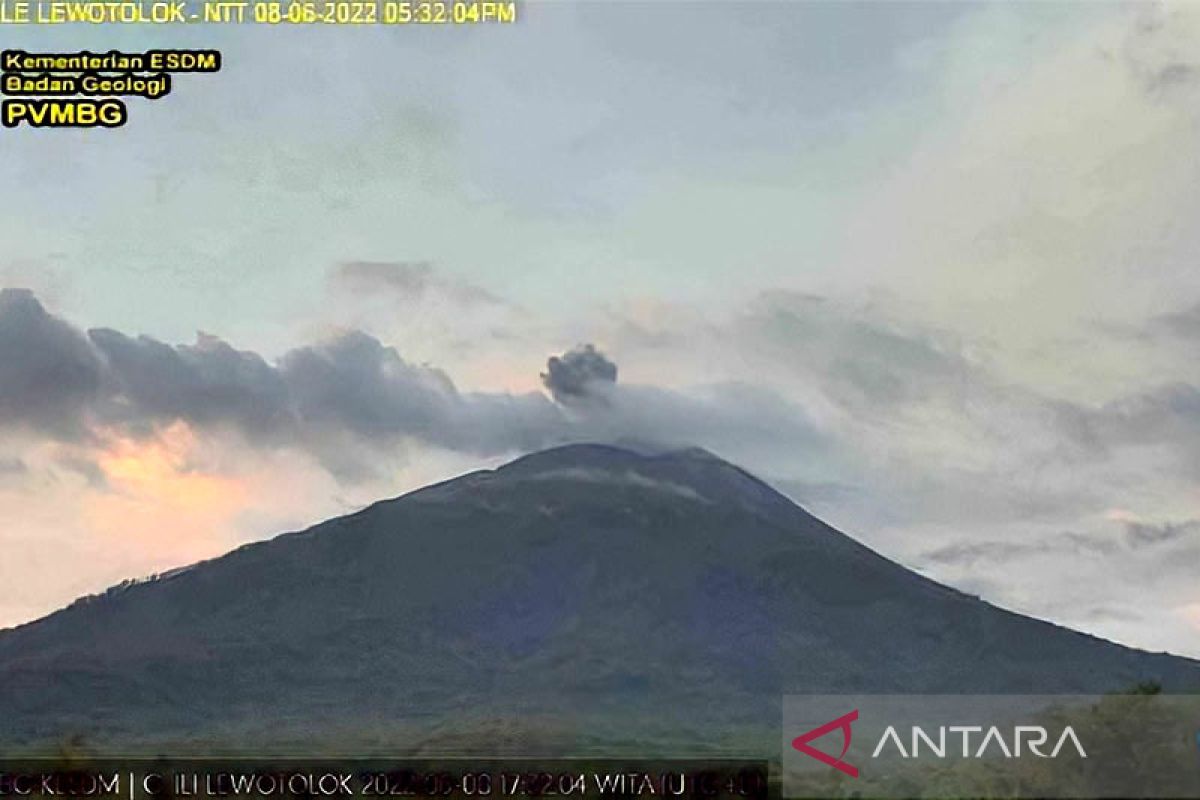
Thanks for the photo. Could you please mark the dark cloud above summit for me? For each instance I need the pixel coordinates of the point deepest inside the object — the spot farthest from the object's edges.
(62, 381)
(355, 383)
(578, 373)
(346, 399)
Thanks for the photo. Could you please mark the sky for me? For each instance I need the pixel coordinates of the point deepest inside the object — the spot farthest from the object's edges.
(929, 269)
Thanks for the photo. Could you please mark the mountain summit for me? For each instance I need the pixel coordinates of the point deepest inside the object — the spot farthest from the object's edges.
(585, 597)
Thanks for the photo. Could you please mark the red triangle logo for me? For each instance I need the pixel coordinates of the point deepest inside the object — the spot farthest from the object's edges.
(842, 723)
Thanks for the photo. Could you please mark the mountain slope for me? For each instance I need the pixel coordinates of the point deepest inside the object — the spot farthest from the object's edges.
(583, 597)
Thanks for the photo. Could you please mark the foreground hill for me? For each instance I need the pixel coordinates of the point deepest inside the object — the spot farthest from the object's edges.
(582, 598)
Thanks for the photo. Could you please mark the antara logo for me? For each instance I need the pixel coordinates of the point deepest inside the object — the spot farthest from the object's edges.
(842, 723)
(1032, 737)
(1024, 739)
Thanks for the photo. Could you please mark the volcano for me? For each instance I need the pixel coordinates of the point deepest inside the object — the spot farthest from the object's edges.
(583, 599)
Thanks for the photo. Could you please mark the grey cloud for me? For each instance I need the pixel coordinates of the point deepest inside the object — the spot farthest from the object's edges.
(412, 280)
(1184, 324)
(1166, 413)
(1137, 536)
(1142, 534)
(861, 359)
(738, 420)
(1155, 53)
(48, 372)
(355, 382)
(1170, 77)
(903, 375)
(86, 468)
(1075, 424)
(207, 383)
(350, 398)
(12, 466)
(908, 389)
(969, 553)
(929, 431)
(1081, 542)
(1111, 614)
(351, 385)
(880, 371)
(13, 472)
(578, 373)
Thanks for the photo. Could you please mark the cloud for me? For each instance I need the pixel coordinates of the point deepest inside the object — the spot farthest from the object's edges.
(12, 470)
(1159, 50)
(411, 280)
(859, 356)
(1167, 415)
(1105, 614)
(354, 383)
(1184, 324)
(578, 373)
(739, 420)
(85, 467)
(349, 388)
(206, 383)
(49, 374)
(346, 399)
(435, 316)
(1171, 76)
(1143, 534)
(351, 401)
(12, 466)
(969, 553)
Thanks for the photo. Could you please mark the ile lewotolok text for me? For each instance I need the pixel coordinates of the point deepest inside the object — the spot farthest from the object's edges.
(272, 12)
(98, 106)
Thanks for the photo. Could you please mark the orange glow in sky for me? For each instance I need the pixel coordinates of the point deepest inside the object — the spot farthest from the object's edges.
(161, 500)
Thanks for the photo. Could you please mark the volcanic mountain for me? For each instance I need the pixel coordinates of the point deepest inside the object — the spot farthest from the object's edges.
(586, 598)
